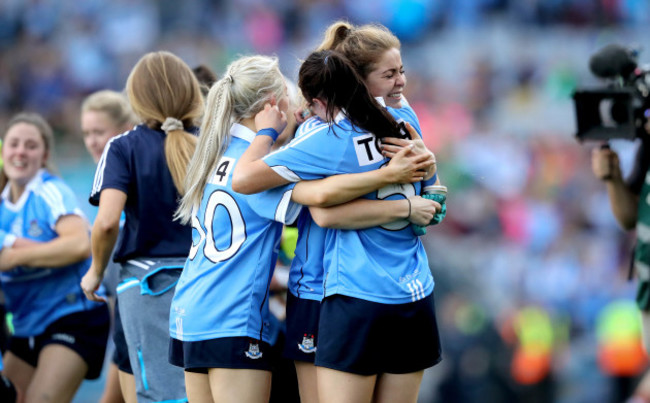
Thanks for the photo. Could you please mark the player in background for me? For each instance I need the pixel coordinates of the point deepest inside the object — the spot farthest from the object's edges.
(104, 115)
(59, 337)
(141, 172)
(378, 287)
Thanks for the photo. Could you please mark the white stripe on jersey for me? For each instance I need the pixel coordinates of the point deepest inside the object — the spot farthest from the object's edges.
(54, 199)
(101, 165)
(416, 289)
(179, 328)
(307, 129)
(286, 173)
(283, 213)
(311, 126)
(421, 288)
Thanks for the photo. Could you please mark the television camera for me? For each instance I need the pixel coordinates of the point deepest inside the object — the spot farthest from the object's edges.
(620, 109)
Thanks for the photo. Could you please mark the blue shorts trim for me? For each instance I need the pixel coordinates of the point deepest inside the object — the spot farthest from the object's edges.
(369, 338)
(226, 352)
(301, 341)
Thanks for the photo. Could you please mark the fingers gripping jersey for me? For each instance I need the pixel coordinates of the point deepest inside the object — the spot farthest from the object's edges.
(306, 274)
(223, 291)
(385, 264)
(37, 296)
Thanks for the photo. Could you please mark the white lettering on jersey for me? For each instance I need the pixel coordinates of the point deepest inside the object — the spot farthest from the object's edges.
(367, 149)
(223, 172)
(406, 190)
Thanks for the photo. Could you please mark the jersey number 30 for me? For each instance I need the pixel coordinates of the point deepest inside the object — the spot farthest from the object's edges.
(237, 225)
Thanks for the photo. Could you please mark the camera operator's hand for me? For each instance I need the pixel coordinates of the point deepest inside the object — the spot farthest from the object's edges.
(605, 164)
(624, 203)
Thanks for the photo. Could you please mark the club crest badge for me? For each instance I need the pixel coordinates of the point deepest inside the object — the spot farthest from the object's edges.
(253, 351)
(34, 229)
(307, 345)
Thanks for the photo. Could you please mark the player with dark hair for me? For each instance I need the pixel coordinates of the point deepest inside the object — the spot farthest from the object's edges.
(378, 286)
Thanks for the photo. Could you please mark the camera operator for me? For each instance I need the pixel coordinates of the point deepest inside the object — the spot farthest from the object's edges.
(630, 201)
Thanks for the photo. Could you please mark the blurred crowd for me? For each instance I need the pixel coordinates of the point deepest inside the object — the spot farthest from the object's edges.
(529, 241)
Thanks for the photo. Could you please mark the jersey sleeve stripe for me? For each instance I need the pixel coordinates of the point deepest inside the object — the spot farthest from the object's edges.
(286, 173)
(54, 199)
(101, 165)
(287, 211)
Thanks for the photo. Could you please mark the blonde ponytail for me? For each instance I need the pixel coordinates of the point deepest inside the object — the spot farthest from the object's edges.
(248, 84)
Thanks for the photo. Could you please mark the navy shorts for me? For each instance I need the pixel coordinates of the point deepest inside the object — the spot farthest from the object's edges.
(369, 338)
(226, 352)
(84, 332)
(121, 353)
(302, 328)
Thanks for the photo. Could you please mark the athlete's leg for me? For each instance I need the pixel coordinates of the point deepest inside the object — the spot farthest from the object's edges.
(112, 392)
(19, 372)
(197, 386)
(59, 373)
(344, 387)
(127, 385)
(398, 388)
(240, 385)
(307, 384)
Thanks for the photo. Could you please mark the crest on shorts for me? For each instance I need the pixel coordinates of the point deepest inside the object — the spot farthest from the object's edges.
(307, 345)
(253, 351)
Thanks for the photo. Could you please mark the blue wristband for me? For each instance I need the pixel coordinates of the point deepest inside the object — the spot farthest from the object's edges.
(269, 131)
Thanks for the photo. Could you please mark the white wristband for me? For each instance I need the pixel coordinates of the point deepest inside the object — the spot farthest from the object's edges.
(9, 241)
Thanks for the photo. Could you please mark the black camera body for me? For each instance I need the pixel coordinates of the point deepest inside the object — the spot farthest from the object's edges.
(620, 109)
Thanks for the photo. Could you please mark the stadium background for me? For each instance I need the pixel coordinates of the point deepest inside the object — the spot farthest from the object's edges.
(530, 266)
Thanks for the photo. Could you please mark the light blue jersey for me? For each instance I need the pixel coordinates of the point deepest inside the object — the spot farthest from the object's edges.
(38, 296)
(306, 273)
(385, 264)
(407, 114)
(223, 290)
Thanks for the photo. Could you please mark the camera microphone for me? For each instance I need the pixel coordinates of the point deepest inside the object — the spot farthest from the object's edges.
(613, 60)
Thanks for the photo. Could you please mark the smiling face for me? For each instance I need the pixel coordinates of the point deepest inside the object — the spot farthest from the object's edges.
(24, 153)
(97, 129)
(387, 79)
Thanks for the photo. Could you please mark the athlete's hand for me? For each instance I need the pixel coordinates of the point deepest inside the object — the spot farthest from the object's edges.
(271, 117)
(405, 167)
(422, 210)
(392, 145)
(90, 284)
(302, 114)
